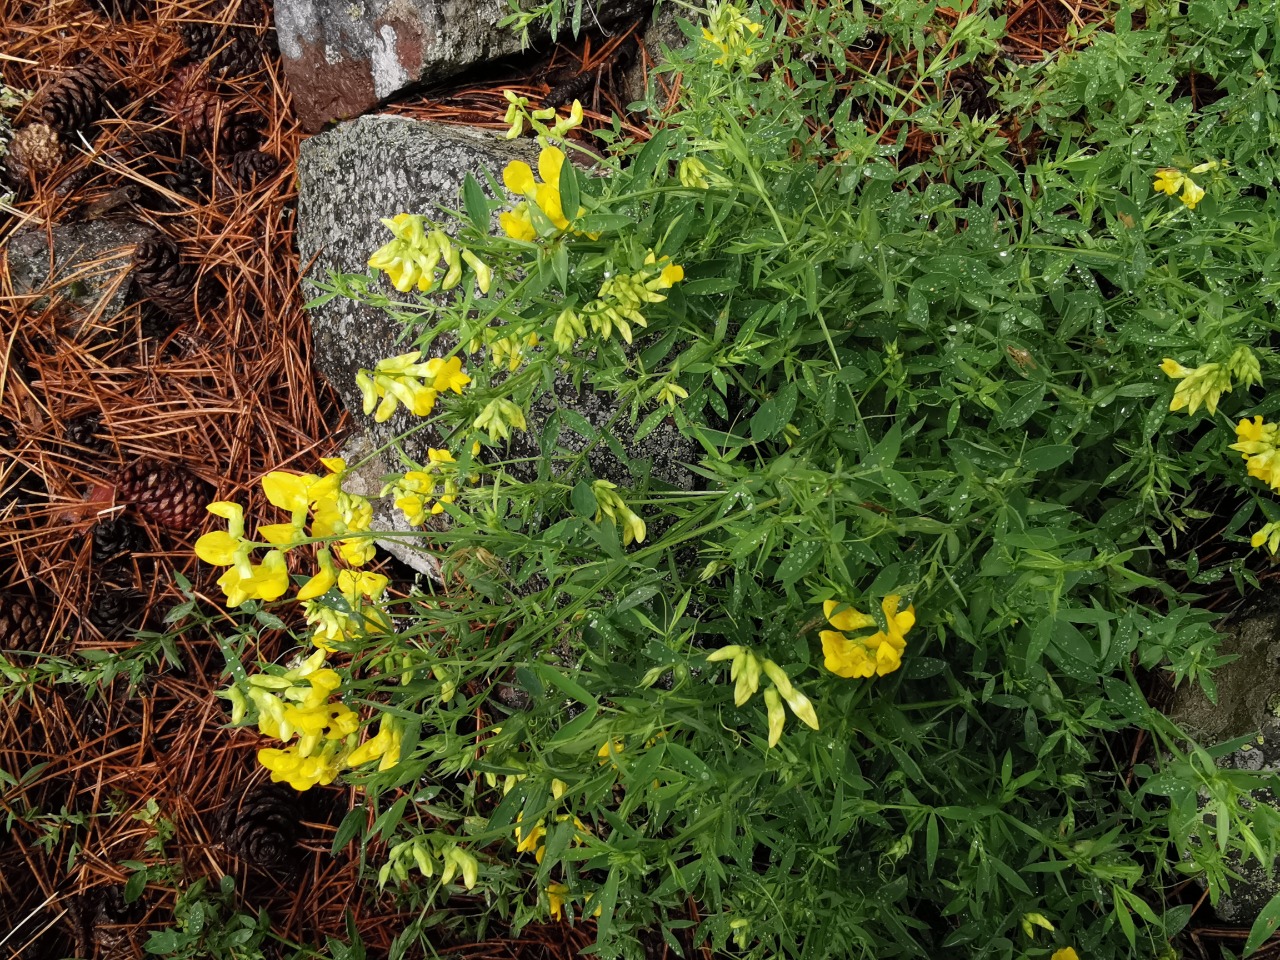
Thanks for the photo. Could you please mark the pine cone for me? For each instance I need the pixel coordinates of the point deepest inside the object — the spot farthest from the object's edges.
(76, 100)
(163, 277)
(118, 9)
(115, 538)
(209, 121)
(83, 430)
(190, 180)
(262, 827)
(34, 153)
(250, 166)
(115, 609)
(166, 494)
(22, 621)
(232, 44)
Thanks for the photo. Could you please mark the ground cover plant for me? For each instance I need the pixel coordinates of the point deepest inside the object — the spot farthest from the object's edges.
(959, 367)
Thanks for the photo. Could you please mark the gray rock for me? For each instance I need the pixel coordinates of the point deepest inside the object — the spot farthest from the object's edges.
(1248, 704)
(374, 167)
(82, 267)
(342, 57)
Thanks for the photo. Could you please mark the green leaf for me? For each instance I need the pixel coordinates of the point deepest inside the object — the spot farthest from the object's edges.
(352, 824)
(134, 886)
(476, 203)
(797, 561)
(570, 198)
(584, 499)
(1048, 456)
(390, 818)
(1262, 929)
(567, 684)
(774, 414)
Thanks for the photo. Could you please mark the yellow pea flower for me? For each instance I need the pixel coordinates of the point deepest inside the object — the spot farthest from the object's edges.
(874, 655)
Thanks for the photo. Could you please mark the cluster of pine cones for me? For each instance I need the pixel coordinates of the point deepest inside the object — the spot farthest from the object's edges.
(192, 141)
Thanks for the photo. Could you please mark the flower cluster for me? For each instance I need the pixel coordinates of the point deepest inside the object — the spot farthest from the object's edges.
(543, 197)
(729, 30)
(406, 379)
(693, 174)
(1207, 383)
(1169, 180)
(454, 861)
(499, 417)
(415, 490)
(610, 504)
(297, 703)
(873, 655)
(361, 615)
(335, 515)
(1258, 443)
(413, 256)
(746, 671)
(518, 114)
(619, 302)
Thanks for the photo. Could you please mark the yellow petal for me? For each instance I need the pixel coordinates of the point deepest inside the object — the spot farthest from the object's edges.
(319, 584)
(550, 160)
(280, 534)
(218, 548)
(848, 618)
(288, 491)
(517, 176)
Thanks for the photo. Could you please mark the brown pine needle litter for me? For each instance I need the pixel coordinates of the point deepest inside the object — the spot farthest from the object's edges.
(91, 779)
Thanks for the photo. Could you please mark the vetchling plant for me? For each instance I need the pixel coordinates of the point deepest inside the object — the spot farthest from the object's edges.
(867, 683)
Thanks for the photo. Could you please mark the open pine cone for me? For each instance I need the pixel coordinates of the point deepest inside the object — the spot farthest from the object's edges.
(22, 621)
(76, 100)
(262, 826)
(34, 152)
(165, 278)
(168, 495)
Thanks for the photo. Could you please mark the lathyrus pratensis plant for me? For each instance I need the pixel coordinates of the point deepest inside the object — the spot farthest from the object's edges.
(935, 473)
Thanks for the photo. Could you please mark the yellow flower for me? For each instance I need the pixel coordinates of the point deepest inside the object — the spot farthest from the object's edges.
(383, 747)
(1192, 193)
(498, 418)
(223, 547)
(1168, 180)
(728, 31)
(1196, 385)
(874, 655)
(612, 505)
(1270, 535)
(1032, 920)
(301, 773)
(671, 393)
(529, 842)
(447, 374)
(320, 583)
(456, 859)
(1257, 442)
(1243, 366)
(400, 380)
(518, 177)
(517, 223)
(693, 174)
(569, 328)
(556, 893)
(612, 748)
(777, 716)
(1066, 953)
(249, 581)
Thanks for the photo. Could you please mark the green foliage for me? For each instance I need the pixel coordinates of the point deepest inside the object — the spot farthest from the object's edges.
(208, 925)
(920, 372)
